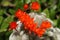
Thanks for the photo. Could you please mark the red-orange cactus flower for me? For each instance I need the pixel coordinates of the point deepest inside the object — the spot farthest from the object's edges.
(12, 25)
(18, 12)
(35, 6)
(45, 24)
(26, 6)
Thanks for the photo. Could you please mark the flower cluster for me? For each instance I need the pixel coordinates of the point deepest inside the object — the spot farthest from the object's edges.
(33, 6)
(29, 22)
(30, 25)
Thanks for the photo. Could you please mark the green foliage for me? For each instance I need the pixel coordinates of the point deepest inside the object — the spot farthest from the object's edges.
(1, 12)
(19, 4)
(52, 14)
(1, 18)
(12, 11)
(5, 3)
(47, 12)
(58, 22)
(6, 22)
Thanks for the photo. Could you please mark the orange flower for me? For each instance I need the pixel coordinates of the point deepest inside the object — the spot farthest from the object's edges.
(45, 24)
(26, 6)
(40, 32)
(18, 13)
(35, 6)
(12, 26)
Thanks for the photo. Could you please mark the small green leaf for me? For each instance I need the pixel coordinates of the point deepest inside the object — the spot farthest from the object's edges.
(19, 4)
(1, 12)
(52, 13)
(55, 22)
(5, 3)
(27, 1)
(33, 0)
(43, 1)
(12, 11)
(58, 22)
(46, 11)
(1, 18)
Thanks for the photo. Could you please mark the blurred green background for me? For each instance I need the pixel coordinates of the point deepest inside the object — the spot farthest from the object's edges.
(9, 7)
